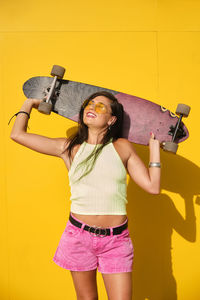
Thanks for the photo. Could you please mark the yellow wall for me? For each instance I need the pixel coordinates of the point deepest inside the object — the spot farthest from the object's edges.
(148, 48)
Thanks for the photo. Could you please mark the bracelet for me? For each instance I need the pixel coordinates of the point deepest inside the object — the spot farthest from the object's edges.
(155, 164)
(19, 112)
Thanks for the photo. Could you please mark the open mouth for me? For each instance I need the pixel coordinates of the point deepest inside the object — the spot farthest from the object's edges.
(91, 115)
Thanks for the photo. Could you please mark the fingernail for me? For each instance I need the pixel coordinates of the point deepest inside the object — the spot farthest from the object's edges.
(151, 133)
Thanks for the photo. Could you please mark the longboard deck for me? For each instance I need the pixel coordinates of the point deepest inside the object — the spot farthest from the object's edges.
(141, 116)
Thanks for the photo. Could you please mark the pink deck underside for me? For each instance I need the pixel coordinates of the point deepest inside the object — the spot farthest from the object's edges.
(143, 117)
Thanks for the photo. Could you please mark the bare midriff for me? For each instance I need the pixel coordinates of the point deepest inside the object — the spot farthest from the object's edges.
(101, 220)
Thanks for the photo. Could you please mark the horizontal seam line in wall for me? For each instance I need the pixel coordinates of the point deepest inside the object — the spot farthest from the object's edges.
(60, 31)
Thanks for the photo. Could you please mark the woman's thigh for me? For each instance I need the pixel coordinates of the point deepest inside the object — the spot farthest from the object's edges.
(118, 285)
(85, 284)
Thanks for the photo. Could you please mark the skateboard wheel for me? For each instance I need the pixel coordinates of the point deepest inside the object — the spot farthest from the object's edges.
(45, 108)
(163, 109)
(58, 71)
(170, 147)
(183, 109)
(172, 114)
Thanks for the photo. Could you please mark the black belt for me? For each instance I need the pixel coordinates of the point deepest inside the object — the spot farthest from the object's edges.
(99, 231)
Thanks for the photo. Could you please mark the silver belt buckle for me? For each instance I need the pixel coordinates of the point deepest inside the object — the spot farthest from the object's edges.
(95, 231)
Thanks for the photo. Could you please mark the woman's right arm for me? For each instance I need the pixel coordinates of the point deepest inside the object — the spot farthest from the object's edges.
(39, 143)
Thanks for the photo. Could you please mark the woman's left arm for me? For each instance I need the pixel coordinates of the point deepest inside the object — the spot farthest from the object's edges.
(147, 178)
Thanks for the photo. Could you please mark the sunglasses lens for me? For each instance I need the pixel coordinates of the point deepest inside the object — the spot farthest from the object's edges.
(87, 104)
(84, 103)
(100, 108)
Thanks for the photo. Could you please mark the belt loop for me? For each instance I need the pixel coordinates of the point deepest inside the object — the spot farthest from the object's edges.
(111, 231)
(82, 227)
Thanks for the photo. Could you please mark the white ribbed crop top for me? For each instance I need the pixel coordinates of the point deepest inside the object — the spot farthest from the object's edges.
(102, 191)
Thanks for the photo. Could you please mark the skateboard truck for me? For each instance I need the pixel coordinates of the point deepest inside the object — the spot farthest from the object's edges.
(177, 131)
(180, 132)
(45, 106)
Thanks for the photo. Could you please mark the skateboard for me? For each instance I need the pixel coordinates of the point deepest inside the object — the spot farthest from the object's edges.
(141, 116)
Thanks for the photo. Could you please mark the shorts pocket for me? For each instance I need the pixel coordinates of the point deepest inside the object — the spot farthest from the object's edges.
(123, 236)
(72, 230)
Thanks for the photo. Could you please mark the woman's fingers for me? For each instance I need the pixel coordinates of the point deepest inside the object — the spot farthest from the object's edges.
(153, 139)
(36, 102)
(152, 135)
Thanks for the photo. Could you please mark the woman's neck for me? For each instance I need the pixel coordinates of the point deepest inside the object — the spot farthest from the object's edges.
(95, 136)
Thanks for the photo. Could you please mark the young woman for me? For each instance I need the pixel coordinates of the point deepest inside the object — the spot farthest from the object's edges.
(98, 159)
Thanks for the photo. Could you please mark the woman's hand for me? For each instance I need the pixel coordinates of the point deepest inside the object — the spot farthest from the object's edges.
(154, 148)
(35, 102)
(153, 142)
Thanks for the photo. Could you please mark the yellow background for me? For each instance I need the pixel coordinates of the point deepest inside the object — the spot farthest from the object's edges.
(148, 48)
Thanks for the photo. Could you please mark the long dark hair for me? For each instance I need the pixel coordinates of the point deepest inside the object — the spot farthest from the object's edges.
(113, 132)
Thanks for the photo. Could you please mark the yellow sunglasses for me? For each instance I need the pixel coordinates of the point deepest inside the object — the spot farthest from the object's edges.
(99, 107)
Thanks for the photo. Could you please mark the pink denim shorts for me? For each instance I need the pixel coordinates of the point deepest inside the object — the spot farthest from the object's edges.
(79, 250)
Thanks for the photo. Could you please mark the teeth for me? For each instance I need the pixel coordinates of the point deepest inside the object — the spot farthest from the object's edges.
(91, 114)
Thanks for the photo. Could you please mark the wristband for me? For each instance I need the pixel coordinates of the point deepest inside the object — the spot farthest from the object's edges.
(155, 164)
(19, 112)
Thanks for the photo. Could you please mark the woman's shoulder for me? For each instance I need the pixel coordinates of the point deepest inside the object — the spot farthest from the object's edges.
(124, 147)
(123, 142)
(65, 155)
(65, 142)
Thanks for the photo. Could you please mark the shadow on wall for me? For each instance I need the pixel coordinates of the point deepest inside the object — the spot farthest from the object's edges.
(152, 219)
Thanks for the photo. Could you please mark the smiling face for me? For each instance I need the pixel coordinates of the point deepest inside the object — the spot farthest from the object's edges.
(98, 113)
